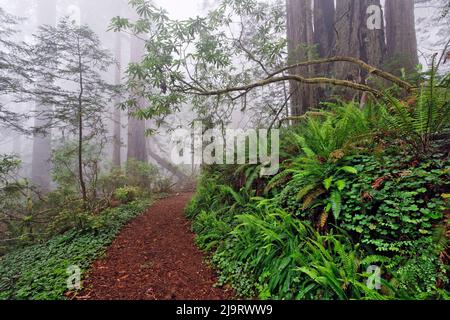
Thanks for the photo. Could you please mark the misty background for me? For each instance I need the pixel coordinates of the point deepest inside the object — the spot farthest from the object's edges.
(122, 129)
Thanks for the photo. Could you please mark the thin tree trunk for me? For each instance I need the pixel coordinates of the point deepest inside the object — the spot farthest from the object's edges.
(80, 129)
(41, 166)
(165, 164)
(117, 125)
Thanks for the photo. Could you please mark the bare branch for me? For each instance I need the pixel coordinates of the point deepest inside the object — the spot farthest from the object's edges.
(262, 83)
(371, 69)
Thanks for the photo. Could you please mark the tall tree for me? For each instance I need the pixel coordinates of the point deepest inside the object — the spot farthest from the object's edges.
(17, 138)
(41, 166)
(401, 35)
(216, 81)
(324, 34)
(13, 72)
(300, 37)
(117, 114)
(73, 55)
(355, 39)
(136, 128)
(89, 15)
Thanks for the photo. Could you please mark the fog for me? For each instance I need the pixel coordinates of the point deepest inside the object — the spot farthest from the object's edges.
(98, 14)
(140, 137)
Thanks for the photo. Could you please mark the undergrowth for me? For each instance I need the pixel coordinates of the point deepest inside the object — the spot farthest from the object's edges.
(358, 210)
(39, 272)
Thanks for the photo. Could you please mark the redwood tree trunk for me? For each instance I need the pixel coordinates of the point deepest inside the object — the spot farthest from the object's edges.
(136, 140)
(300, 37)
(324, 34)
(355, 39)
(401, 35)
(136, 128)
(117, 120)
(324, 38)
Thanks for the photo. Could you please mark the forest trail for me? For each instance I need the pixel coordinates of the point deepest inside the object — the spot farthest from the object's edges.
(154, 258)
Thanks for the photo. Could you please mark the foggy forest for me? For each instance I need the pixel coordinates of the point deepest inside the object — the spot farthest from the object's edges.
(224, 150)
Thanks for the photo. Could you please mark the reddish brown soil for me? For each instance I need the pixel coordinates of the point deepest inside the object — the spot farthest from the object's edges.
(154, 258)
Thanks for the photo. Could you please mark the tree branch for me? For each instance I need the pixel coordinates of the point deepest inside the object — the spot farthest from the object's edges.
(371, 69)
(265, 82)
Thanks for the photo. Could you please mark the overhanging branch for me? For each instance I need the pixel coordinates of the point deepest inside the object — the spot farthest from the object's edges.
(265, 82)
(371, 69)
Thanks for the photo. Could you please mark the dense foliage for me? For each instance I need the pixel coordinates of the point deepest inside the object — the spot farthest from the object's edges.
(49, 224)
(40, 271)
(354, 193)
(11, 69)
(359, 209)
(28, 217)
(62, 72)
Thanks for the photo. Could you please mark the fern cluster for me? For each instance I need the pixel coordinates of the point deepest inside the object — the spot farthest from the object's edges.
(425, 117)
(355, 192)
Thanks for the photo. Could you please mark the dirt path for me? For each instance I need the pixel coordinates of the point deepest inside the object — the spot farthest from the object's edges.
(154, 258)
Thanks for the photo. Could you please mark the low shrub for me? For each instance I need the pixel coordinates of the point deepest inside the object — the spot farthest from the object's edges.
(395, 201)
(127, 194)
(40, 271)
(350, 195)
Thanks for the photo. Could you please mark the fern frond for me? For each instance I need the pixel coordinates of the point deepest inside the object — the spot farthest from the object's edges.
(311, 197)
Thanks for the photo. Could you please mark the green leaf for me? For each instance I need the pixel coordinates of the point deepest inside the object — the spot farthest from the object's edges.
(349, 169)
(327, 183)
(336, 204)
(340, 184)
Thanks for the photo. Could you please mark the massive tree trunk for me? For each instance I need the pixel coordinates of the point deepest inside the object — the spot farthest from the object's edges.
(324, 37)
(136, 140)
(41, 166)
(136, 128)
(401, 35)
(300, 37)
(355, 39)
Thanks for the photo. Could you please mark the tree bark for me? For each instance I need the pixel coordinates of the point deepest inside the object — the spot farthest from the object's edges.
(300, 37)
(324, 35)
(117, 120)
(41, 165)
(136, 128)
(355, 39)
(401, 35)
(80, 129)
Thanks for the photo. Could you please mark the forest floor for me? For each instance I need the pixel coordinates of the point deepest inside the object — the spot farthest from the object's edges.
(154, 258)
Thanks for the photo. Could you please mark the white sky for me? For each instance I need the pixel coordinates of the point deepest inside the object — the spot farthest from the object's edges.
(181, 9)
